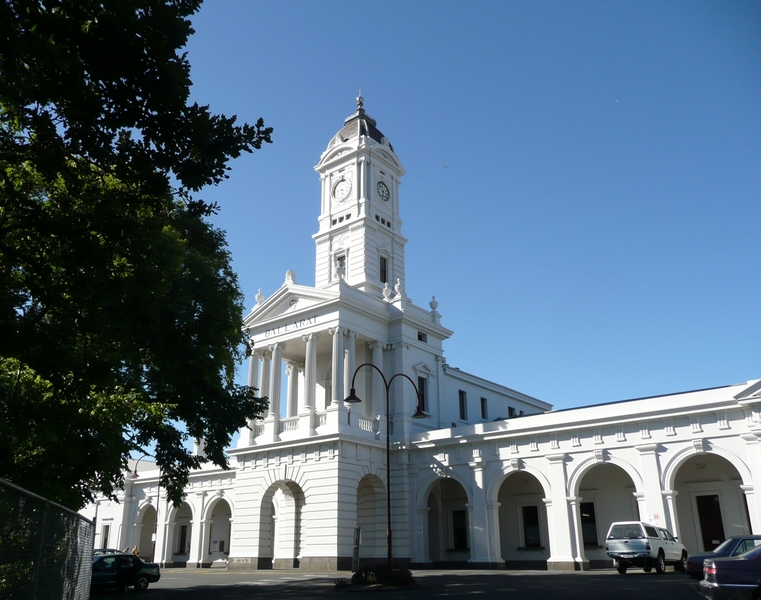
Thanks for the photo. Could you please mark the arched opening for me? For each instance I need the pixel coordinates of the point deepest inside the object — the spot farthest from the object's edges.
(606, 494)
(371, 520)
(710, 505)
(219, 523)
(179, 535)
(523, 529)
(147, 530)
(448, 524)
(280, 526)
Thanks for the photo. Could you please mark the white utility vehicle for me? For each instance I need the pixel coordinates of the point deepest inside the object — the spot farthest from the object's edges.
(637, 544)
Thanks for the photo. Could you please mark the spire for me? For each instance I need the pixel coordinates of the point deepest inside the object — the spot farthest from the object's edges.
(360, 101)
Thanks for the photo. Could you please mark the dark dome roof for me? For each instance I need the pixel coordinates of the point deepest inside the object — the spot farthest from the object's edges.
(360, 123)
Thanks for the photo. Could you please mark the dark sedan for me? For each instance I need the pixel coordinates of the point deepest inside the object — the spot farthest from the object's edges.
(120, 571)
(733, 546)
(735, 578)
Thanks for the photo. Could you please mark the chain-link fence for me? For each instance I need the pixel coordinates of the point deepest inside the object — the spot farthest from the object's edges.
(45, 548)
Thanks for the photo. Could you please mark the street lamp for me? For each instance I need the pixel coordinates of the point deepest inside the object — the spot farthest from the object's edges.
(419, 414)
(135, 475)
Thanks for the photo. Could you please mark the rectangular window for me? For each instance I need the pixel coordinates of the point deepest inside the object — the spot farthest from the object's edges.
(588, 524)
(182, 542)
(484, 411)
(106, 531)
(463, 406)
(422, 388)
(459, 530)
(510, 411)
(531, 535)
(221, 545)
(383, 269)
(422, 337)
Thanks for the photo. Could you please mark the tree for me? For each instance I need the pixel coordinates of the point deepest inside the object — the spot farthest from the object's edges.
(120, 315)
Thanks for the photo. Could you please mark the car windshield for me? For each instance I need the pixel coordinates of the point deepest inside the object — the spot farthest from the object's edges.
(632, 531)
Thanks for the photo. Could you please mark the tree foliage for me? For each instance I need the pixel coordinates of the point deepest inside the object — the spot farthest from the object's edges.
(120, 316)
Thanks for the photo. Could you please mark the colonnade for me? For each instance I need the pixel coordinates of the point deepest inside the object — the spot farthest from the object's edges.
(265, 369)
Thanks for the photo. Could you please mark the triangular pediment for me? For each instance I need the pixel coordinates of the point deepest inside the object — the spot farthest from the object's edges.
(751, 393)
(423, 370)
(290, 299)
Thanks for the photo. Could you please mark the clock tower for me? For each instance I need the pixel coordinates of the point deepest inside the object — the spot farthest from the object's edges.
(359, 239)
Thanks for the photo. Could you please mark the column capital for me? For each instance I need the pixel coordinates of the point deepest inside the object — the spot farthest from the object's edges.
(263, 354)
(309, 336)
(375, 344)
(277, 346)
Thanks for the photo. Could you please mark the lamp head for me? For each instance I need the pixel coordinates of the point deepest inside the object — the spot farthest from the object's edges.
(352, 398)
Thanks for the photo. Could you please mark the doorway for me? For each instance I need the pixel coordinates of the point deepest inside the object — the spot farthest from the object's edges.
(711, 524)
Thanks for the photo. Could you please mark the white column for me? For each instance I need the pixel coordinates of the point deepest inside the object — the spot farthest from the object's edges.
(651, 481)
(479, 532)
(492, 524)
(337, 367)
(275, 374)
(670, 497)
(558, 521)
(300, 389)
(349, 359)
(245, 438)
(292, 370)
(752, 489)
(253, 369)
(379, 390)
(578, 534)
(266, 357)
(310, 370)
(195, 556)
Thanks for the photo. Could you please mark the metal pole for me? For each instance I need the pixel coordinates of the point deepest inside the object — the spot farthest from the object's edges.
(418, 414)
(388, 482)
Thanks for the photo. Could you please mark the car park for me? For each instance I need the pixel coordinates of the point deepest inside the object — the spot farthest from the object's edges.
(733, 578)
(120, 571)
(638, 544)
(733, 546)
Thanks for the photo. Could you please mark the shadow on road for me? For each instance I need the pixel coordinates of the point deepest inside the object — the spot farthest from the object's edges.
(503, 585)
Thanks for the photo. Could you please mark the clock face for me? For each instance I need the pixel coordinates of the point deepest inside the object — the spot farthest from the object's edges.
(382, 191)
(341, 189)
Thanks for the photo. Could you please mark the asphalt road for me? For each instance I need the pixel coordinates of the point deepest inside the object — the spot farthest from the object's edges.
(181, 584)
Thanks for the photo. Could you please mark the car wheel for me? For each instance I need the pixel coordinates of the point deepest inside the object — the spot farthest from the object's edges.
(141, 583)
(660, 564)
(682, 564)
(621, 568)
(647, 568)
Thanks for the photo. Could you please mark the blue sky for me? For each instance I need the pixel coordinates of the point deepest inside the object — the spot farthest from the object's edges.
(583, 179)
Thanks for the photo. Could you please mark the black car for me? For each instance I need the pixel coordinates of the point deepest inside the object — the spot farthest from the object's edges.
(120, 571)
(735, 578)
(733, 546)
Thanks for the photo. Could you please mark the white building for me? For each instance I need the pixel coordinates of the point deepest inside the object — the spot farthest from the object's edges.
(487, 477)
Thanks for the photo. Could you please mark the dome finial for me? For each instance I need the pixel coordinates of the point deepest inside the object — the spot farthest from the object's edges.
(360, 101)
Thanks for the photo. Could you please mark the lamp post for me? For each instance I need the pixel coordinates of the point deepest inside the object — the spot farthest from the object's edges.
(134, 475)
(419, 414)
